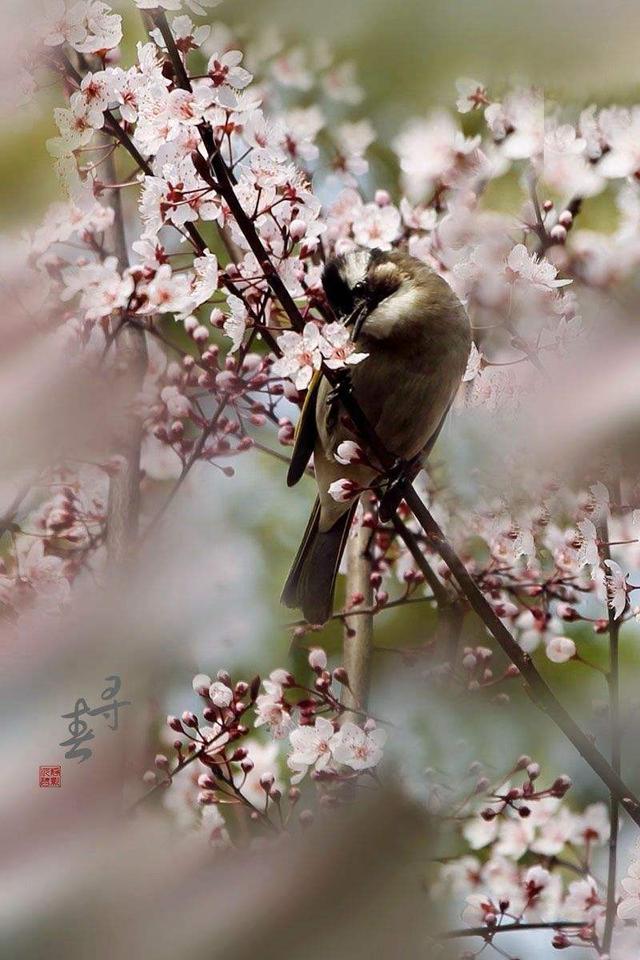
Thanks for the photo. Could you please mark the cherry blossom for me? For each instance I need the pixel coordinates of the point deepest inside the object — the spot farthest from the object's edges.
(312, 747)
(337, 347)
(560, 649)
(376, 226)
(358, 748)
(221, 694)
(301, 355)
(472, 95)
(617, 587)
(343, 490)
(535, 270)
(433, 151)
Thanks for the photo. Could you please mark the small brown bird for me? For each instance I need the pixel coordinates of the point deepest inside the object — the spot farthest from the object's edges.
(417, 337)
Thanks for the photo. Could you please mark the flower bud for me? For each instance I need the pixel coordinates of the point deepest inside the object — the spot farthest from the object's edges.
(297, 230)
(340, 675)
(206, 781)
(558, 233)
(317, 659)
(266, 781)
(561, 786)
(201, 683)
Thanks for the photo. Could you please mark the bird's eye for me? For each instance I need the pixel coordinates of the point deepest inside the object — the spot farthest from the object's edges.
(360, 288)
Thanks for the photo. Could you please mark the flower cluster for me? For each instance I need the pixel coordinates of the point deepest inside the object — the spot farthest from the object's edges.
(532, 860)
(232, 766)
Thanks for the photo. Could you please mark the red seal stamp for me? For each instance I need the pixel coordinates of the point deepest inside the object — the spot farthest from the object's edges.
(50, 776)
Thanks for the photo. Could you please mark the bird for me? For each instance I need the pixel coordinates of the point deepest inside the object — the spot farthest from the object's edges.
(416, 335)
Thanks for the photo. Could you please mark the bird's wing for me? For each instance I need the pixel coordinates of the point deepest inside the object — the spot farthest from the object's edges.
(305, 435)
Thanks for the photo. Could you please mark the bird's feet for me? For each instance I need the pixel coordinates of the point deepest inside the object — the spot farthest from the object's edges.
(401, 472)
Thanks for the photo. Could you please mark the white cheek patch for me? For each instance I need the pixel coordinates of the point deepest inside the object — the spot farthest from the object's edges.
(355, 267)
(401, 305)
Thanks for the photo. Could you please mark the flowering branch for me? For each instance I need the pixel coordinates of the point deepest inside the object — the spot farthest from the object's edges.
(537, 688)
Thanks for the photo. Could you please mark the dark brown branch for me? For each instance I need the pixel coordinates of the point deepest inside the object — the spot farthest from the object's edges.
(613, 681)
(488, 933)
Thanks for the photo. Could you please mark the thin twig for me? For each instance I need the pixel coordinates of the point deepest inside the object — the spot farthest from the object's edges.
(613, 682)
(488, 933)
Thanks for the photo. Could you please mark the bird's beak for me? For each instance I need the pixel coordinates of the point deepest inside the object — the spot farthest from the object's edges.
(357, 318)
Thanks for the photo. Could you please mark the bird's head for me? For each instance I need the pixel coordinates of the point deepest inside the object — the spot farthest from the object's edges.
(357, 282)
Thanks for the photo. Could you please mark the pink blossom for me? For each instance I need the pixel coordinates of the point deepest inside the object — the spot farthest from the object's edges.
(356, 748)
(221, 694)
(337, 347)
(376, 226)
(560, 649)
(343, 490)
(312, 747)
(616, 587)
(301, 355)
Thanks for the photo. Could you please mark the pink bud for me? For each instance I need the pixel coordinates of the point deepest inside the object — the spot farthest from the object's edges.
(200, 334)
(201, 683)
(317, 659)
(266, 781)
(190, 324)
(297, 229)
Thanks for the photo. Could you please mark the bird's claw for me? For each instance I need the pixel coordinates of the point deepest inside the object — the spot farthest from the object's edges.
(401, 472)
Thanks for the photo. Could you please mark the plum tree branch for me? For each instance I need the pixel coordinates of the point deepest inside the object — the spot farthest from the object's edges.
(613, 682)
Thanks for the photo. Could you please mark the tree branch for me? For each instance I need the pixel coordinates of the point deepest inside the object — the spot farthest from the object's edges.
(124, 486)
(613, 682)
(358, 628)
(487, 933)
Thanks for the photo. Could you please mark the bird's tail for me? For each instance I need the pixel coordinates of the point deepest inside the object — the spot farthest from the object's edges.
(312, 577)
